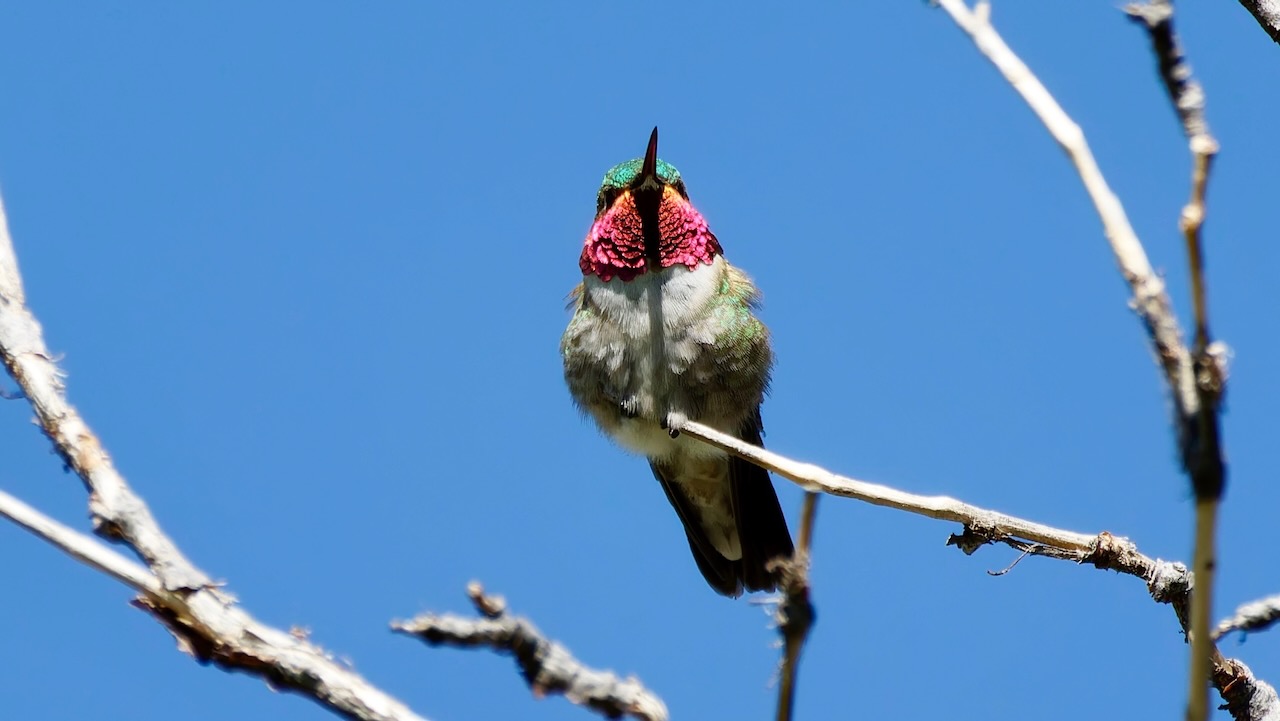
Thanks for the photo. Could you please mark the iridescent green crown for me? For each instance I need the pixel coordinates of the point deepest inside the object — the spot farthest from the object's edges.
(622, 175)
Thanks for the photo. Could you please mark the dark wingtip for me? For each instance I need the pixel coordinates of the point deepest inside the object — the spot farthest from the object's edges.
(762, 527)
(650, 167)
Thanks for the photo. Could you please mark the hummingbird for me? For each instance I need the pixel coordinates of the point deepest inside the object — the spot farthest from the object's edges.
(663, 333)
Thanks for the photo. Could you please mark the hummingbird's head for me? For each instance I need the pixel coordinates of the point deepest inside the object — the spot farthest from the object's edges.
(623, 177)
(644, 220)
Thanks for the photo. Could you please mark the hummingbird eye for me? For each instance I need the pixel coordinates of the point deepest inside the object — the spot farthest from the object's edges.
(606, 198)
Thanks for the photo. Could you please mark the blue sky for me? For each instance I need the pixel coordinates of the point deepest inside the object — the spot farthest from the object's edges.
(306, 266)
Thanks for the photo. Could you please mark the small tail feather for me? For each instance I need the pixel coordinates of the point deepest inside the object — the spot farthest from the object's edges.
(761, 525)
(722, 574)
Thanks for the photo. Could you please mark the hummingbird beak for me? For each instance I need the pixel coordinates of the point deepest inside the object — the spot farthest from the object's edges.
(647, 191)
(650, 167)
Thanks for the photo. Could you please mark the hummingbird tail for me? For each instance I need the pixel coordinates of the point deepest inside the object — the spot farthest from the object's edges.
(760, 526)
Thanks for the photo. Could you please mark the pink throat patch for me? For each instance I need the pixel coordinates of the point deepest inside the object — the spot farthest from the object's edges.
(615, 243)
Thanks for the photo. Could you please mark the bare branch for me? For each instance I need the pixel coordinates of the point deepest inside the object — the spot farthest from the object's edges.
(79, 546)
(795, 614)
(1196, 380)
(117, 512)
(1253, 616)
(1201, 440)
(982, 526)
(1267, 13)
(1246, 697)
(1185, 92)
(1167, 582)
(993, 526)
(545, 665)
(1150, 300)
(206, 622)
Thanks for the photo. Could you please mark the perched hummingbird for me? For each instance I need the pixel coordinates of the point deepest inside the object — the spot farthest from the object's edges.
(662, 332)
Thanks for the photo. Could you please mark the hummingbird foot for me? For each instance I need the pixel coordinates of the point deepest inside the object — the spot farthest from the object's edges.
(673, 422)
(629, 407)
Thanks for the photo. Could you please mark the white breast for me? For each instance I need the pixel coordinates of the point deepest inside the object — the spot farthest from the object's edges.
(677, 294)
(669, 306)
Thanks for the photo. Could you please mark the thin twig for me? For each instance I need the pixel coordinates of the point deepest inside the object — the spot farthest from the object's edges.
(1200, 667)
(1150, 299)
(545, 665)
(993, 525)
(795, 614)
(79, 546)
(1009, 567)
(1253, 616)
(1201, 441)
(207, 622)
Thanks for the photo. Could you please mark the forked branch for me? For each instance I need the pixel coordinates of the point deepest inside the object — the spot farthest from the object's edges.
(1201, 442)
(207, 622)
(546, 666)
(1196, 379)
